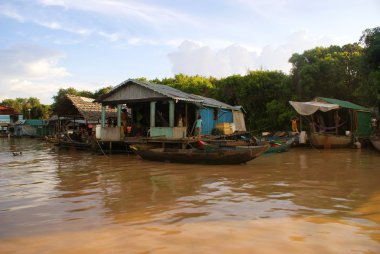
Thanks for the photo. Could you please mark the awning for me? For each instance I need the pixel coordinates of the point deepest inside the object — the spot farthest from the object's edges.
(310, 107)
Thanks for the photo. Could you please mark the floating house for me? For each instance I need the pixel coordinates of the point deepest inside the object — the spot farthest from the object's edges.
(333, 122)
(75, 112)
(8, 116)
(159, 111)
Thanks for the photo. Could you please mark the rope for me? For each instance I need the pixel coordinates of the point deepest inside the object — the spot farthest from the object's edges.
(100, 147)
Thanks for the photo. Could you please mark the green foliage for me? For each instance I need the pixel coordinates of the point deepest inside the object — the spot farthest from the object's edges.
(30, 108)
(369, 91)
(102, 91)
(371, 41)
(258, 92)
(329, 72)
(190, 84)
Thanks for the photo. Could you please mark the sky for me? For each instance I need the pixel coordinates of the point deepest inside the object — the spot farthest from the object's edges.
(46, 45)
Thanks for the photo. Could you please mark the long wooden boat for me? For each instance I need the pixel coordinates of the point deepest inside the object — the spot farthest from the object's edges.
(375, 140)
(217, 155)
(327, 140)
(279, 146)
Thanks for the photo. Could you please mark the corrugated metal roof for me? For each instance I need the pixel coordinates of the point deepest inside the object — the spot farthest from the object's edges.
(172, 93)
(343, 104)
(169, 91)
(209, 102)
(164, 90)
(35, 122)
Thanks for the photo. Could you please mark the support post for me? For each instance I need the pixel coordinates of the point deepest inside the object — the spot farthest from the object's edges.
(186, 116)
(152, 113)
(119, 115)
(103, 119)
(171, 113)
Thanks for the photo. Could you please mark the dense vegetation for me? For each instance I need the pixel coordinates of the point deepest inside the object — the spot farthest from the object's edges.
(350, 72)
(31, 108)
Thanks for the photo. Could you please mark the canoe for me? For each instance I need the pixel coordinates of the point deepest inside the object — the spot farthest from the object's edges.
(279, 146)
(217, 155)
(325, 140)
(375, 140)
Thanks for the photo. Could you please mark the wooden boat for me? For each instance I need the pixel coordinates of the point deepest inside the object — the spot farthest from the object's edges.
(279, 146)
(215, 155)
(375, 140)
(278, 143)
(327, 140)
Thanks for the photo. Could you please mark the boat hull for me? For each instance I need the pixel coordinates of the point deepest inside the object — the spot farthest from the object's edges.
(230, 155)
(323, 140)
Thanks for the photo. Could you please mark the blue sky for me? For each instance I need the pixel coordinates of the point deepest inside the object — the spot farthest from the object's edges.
(50, 44)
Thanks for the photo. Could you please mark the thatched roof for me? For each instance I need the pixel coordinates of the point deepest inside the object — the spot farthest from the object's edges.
(82, 107)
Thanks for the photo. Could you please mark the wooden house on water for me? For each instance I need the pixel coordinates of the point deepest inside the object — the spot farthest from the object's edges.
(334, 123)
(77, 116)
(162, 112)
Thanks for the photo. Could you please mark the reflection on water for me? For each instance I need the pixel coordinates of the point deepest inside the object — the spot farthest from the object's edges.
(302, 201)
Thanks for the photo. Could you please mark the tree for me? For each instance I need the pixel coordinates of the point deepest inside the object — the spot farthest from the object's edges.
(190, 84)
(226, 89)
(329, 72)
(102, 91)
(369, 91)
(370, 39)
(263, 94)
(30, 108)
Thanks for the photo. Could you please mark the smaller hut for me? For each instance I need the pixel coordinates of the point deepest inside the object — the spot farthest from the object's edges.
(77, 116)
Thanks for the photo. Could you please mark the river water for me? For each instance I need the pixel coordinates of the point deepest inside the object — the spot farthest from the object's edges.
(301, 201)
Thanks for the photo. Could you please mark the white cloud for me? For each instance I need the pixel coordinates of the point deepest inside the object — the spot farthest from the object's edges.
(24, 88)
(152, 14)
(31, 62)
(110, 36)
(28, 70)
(192, 58)
(67, 28)
(11, 13)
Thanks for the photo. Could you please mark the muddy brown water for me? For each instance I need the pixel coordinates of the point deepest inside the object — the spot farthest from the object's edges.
(301, 201)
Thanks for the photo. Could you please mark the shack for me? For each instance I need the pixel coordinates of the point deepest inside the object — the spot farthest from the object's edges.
(77, 116)
(333, 122)
(163, 111)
